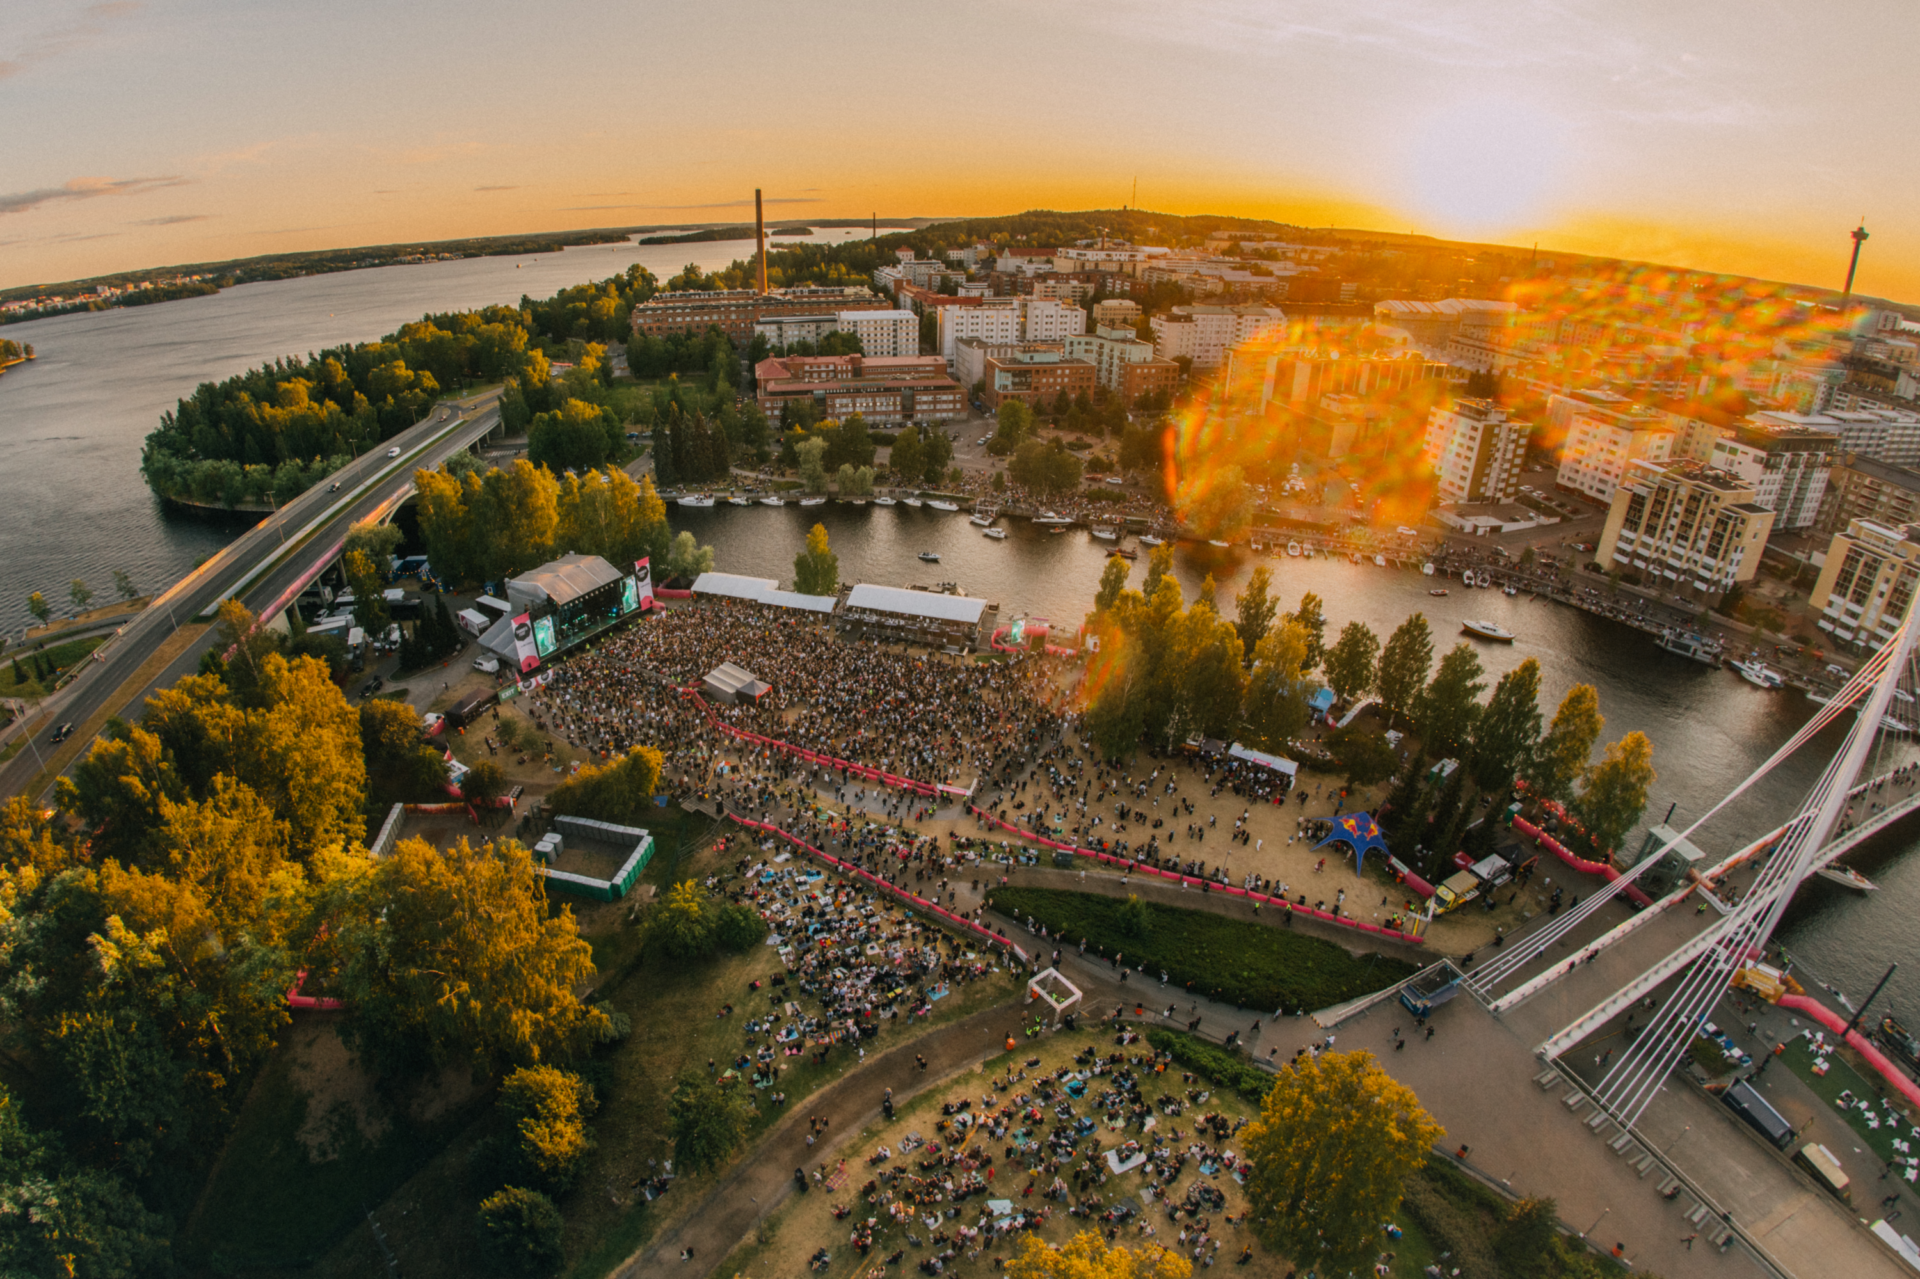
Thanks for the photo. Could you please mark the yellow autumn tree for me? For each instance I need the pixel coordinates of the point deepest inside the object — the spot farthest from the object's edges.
(549, 1109)
(1088, 1256)
(1336, 1140)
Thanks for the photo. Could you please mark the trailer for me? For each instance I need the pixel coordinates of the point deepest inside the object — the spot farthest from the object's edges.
(1427, 990)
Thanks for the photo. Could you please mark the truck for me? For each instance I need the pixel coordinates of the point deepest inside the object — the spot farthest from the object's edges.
(469, 709)
(1826, 1170)
(1744, 1100)
(1427, 990)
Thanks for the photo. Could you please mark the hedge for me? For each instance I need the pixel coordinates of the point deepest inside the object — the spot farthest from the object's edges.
(1222, 1067)
(1252, 965)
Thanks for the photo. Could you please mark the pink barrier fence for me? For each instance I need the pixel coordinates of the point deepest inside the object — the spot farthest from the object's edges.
(1052, 649)
(847, 766)
(666, 593)
(960, 922)
(1140, 868)
(1859, 1043)
(313, 1003)
(1566, 855)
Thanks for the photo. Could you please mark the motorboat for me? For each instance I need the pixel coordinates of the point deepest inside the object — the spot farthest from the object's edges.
(1106, 534)
(739, 501)
(1056, 530)
(1488, 631)
(1122, 553)
(997, 534)
(1438, 590)
(696, 499)
(773, 501)
(1148, 539)
(913, 501)
(942, 506)
(984, 517)
(1511, 591)
(1379, 561)
(1307, 551)
(1255, 547)
(1426, 570)
(885, 501)
(854, 501)
(1214, 541)
(813, 501)
(1892, 1036)
(931, 557)
(1048, 517)
(1757, 674)
(1847, 877)
(1293, 549)
(1693, 647)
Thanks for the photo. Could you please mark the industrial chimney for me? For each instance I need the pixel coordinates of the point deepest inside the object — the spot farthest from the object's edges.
(760, 238)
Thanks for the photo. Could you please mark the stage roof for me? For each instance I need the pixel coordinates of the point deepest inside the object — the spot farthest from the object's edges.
(566, 579)
(893, 599)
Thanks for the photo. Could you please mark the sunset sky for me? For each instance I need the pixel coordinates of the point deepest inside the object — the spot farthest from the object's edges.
(1735, 135)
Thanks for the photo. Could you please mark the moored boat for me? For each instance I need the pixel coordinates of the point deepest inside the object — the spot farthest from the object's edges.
(884, 501)
(1148, 539)
(1122, 553)
(943, 506)
(1693, 647)
(931, 557)
(1438, 590)
(1757, 674)
(696, 499)
(1214, 541)
(912, 501)
(1048, 517)
(1106, 534)
(739, 501)
(773, 501)
(813, 501)
(1894, 1037)
(1847, 877)
(1488, 631)
(1293, 549)
(997, 534)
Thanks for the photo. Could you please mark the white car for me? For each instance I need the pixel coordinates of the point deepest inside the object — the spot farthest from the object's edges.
(491, 665)
(1115, 479)
(394, 451)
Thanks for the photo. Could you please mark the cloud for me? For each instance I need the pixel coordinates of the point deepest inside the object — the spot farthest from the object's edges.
(84, 189)
(174, 219)
(722, 204)
(90, 25)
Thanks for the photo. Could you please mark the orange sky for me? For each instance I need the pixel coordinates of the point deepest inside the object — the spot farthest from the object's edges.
(1711, 135)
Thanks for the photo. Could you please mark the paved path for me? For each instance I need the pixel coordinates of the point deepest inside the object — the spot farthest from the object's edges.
(763, 1177)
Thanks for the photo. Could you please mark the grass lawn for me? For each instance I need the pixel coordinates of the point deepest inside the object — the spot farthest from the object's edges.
(1252, 965)
(25, 661)
(1841, 1077)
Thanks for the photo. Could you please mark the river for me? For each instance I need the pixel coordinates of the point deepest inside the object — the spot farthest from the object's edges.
(71, 424)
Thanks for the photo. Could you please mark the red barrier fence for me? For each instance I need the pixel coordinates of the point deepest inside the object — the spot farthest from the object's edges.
(913, 899)
(1141, 868)
(1566, 855)
(312, 1003)
(1859, 1042)
(814, 757)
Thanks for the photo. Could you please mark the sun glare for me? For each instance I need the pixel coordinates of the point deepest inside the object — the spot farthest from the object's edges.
(1481, 165)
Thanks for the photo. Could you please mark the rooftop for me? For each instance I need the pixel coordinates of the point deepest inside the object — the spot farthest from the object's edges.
(569, 577)
(894, 599)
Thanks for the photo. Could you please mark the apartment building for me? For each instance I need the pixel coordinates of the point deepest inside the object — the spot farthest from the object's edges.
(1784, 460)
(882, 333)
(1010, 319)
(1204, 334)
(1476, 452)
(1867, 582)
(883, 389)
(1602, 440)
(1860, 488)
(971, 356)
(1123, 363)
(1685, 526)
(735, 311)
(1036, 377)
(1116, 313)
(1881, 432)
(1298, 379)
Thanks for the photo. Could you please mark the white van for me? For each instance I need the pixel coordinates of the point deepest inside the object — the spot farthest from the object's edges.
(491, 665)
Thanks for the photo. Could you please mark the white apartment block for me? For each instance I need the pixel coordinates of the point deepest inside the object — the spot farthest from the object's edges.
(782, 331)
(1050, 319)
(995, 320)
(971, 356)
(1686, 525)
(1109, 351)
(1889, 435)
(882, 332)
(1603, 441)
(1787, 464)
(1204, 334)
(1476, 451)
(1867, 582)
(925, 272)
(1116, 313)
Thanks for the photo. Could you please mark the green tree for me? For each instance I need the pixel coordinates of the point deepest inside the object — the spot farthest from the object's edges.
(38, 606)
(1278, 688)
(1562, 756)
(368, 584)
(936, 451)
(687, 559)
(1312, 618)
(1615, 792)
(708, 1120)
(123, 583)
(906, 457)
(620, 791)
(1350, 662)
(1509, 728)
(401, 769)
(1363, 753)
(816, 570)
(1403, 666)
(813, 470)
(1526, 1241)
(852, 481)
(1334, 1144)
(1014, 423)
(1209, 672)
(1113, 580)
(1159, 565)
(684, 922)
(1451, 703)
(548, 1109)
(81, 593)
(1215, 502)
(57, 1218)
(522, 1230)
(484, 783)
(1256, 607)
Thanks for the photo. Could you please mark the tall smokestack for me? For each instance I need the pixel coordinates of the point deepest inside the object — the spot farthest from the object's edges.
(874, 234)
(1859, 235)
(760, 238)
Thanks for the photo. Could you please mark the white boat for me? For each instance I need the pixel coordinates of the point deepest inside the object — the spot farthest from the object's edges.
(1148, 539)
(1048, 517)
(1379, 561)
(1511, 591)
(696, 500)
(1693, 647)
(1757, 674)
(739, 501)
(1293, 549)
(1426, 570)
(997, 534)
(1307, 550)
(1488, 631)
(1106, 534)
(773, 501)
(884, 501)
(943, 506)
(1847, 877)
(930, 557)
(1438, 591)
(1255, 547)
(855, 501)
(913, 501)
(813, 501)
(1214, 541)
(982, 518)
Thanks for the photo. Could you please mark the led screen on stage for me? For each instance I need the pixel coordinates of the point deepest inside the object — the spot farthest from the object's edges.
(543, 635)
(629, 595)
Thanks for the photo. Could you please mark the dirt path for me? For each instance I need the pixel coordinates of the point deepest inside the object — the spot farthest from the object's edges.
(763, 1176)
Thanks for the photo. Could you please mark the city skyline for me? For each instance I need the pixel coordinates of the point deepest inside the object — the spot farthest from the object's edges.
(1640, 134)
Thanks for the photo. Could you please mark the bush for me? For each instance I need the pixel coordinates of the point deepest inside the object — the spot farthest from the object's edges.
(739, 929)
(521, 1230)
(1225, 1068)
(1252, 965)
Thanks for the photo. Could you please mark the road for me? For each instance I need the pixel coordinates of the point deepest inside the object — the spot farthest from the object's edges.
(313, 524)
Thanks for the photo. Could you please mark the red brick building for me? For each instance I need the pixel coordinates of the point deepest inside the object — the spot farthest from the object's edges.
(894, 390)
(1035, 377)
(734, 311)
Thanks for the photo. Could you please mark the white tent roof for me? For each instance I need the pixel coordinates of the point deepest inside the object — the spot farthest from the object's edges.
(759, 590)
(893, 599)
(1275, 762)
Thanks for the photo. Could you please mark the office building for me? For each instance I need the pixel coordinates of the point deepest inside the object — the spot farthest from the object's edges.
(893, 390)
(1603, 439)
(735, 311)
(1867, 582)
(1204, 334)
(1476, 452)
(1036, 377)
(1685, 527)
(1116, 313)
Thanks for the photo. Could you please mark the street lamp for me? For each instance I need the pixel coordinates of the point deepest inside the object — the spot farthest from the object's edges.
(1676, 1141)
(1596, 1223)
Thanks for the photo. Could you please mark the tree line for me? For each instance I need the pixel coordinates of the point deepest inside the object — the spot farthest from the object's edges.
(1168, 671)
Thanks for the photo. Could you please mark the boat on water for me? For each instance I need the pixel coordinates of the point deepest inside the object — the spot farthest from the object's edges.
(1511, 591)
(931, 557)
(1255, 546)
(943, 506)
(983, 518)
(1106, 534)
(773, 501)
(1214, 541)
(1056, 530)
(1488, 631)
(1757, 674)
(1892, 1036)
(854, 501)
(913, 501)
(1438, 590)
(1426, 570)
(884, 501)
(1307, 550)
(1148, 539)
(1847, 877)
(997, 534)
(739, 501)
(813, 501)
(1690, 646)
(1379, 561)
(1122, 553)
(1293, 549)
(1048, 517)
(696, 499)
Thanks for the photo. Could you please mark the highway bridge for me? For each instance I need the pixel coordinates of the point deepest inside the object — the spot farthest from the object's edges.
(266, 568)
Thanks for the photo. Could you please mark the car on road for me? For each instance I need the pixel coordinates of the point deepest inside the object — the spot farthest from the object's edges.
(334, 487)
(60, 734)
(372, 686)
(394, 451)
(491, 665)
(982, 440)
(1585, 547)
